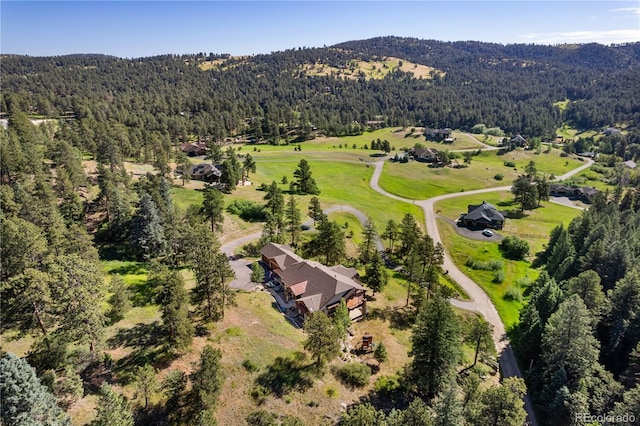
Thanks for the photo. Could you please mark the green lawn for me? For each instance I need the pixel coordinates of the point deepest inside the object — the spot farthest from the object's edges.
(397, 137)
(340, 183)
(416, 180)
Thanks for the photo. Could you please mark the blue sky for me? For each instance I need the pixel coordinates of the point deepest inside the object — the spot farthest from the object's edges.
(145, 28)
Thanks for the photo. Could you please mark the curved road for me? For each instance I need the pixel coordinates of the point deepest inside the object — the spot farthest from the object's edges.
(479, 302)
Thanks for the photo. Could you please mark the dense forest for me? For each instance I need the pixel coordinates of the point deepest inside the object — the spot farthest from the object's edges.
(275, 97)
(579, 335)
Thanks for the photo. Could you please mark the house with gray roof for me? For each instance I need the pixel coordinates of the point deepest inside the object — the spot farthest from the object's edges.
(313, 286)
(483, 216)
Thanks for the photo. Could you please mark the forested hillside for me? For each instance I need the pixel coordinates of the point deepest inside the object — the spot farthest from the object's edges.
(579, 334)
(275, 96)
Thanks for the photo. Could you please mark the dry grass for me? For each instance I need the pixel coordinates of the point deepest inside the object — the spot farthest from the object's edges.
(376, 69)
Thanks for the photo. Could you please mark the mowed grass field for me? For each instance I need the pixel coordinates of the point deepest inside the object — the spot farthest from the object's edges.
(398, 138)
(418, 181)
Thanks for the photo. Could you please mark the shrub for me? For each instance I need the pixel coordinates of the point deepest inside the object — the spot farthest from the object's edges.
(498, 276)
(510, 163)
(331, 392)
(387, 384)
(259, 394)
(261, 418)
(250, 365)
(498, 176)
(514, 248)
(492, 265)
(248, 210)
(513, 293)
(257, 273)
(524, 282)
(354, 374)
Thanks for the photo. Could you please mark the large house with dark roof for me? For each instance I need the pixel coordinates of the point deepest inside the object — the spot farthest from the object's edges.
(313, 286)
(581, 193)
(483, 216)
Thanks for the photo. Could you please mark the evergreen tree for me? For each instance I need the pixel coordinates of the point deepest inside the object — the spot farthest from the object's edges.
(183, 166)
(25, 401)
(146, 382)
(478, 332)
(380, 353)
(447, 407)
(525, 192)
(113, 409)
(257, 273)
(78, 293)
(147, 232)
(173, 300)
(502, 404)
(329, 242)
(293, 220)
(206, 382)
(305, 183)
(213, 273)
(315, 209)
(341, 319)
(368, 247)
(120, 299)
(376, 274)
(391, 233)
(248, 165)
(436, 346)
(323, 339)
(213, 207)
(409, 234)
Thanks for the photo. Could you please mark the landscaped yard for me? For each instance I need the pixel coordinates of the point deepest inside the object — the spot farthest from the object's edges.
(418, 181)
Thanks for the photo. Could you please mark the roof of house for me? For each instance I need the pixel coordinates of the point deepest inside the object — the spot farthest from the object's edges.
(483, 211)
(204, 169)
(319, 285)
(630, 164)
(424, 152)
(517, 139)
(281, 254)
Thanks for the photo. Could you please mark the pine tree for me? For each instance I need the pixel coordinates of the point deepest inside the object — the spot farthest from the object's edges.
(25, 401)
(146, 382)
(447, 406)
(248, 165)
(368, 247)
(409, 234)
(341, 319)
(257, 273)
(323, 339)
(120, 299)
(329, 242)
(173, 300)
(305, 183)
(380, 353)
(213, 207)
(113, 409)
(213, 273)
(206, 381)
(479, 334)
(436, 346)
(315, 209)
(376, 274)
(391, 233)
(502, 404)
(294, 220)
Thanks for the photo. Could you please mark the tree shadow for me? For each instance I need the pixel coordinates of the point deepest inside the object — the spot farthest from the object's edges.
(148, 348)
(506, 203)
(401, 318)
(288, 374)
(143, 293)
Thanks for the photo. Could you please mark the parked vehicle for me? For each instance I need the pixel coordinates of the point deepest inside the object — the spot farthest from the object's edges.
(487, 233)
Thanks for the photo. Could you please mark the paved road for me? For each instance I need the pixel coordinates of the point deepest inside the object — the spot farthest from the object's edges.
(479, 302)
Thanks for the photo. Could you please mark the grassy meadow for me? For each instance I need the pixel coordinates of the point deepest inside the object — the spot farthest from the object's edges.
(418, 181)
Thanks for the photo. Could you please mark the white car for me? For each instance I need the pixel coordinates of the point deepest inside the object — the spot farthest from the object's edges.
(487, 233)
